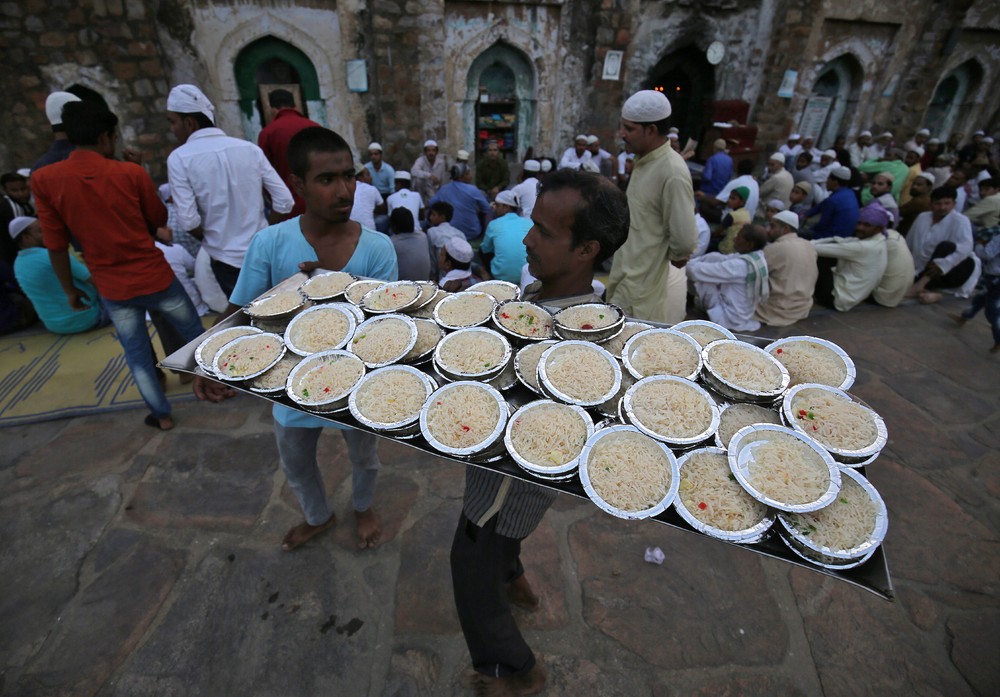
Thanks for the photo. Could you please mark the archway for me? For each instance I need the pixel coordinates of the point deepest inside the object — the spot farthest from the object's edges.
(273, 62)
(688, 80)
(953, 94)
(834, 95)
(500, 100)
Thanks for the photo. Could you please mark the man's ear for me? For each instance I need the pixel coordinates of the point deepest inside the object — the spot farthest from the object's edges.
(298, 185)
(589, 249)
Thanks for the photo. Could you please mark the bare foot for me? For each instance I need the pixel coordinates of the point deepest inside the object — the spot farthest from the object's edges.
(520, 593)
(303, 532)
(369, 526)
(929, 297)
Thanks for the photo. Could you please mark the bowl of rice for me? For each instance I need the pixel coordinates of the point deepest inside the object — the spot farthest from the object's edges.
(712, 502)
(396, 296)
(743, 372)
(523, 321)
(428, 336)
(783, 469)
(846, 532)
(463, 418)
(546, 438)
(672, 409)
(247, 357)
(813, 360)
(323, 382)
(662, 352)
(628, 474)
(276, 306)
(589, 321)
(320, 328)
(355, 292)
(733, 417)
(578, 372)
(612, 408)
(526, 364)
(465, 309)
(500, 290)
(703, 331)
(389, 400)
(476, 353)
(850, 431)
(428, 289)
(272, 382)
(205, 354)
(383, 340)
(616, 344)
(327, 285)
(427, 311)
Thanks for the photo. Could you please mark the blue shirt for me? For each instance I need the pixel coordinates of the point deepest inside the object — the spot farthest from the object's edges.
(505, 239)
(468, 202)
(38, 280)
(718, 171)
(275, 254)
(838, 215)
(384, 179)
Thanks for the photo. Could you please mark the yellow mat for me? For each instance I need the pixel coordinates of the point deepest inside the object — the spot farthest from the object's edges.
(47, 376)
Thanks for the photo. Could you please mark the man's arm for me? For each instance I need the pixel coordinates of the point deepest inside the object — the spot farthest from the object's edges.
(961, 235)
(678, 204)
(710, 269)
(185, 204)
(60, 264)
(281, 198)
(840, 248)
(153, 209)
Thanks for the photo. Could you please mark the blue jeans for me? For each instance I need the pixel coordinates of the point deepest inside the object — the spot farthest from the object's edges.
(129, 318)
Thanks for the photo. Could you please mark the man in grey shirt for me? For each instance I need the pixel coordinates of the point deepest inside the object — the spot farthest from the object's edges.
(412, 251)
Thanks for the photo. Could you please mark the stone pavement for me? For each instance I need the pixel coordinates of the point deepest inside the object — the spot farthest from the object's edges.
(144, 563)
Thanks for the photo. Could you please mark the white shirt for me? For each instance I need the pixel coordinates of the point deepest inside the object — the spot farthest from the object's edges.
(925, 235)
(404, 198)
(216, 183)
(366, 198)
(704, 235)
(570, 160)
(720, 284)
(526, 192)
(182, 263)
(527, 279)
(622, 156)
(790, 151)
(750, 183)
(600, 158)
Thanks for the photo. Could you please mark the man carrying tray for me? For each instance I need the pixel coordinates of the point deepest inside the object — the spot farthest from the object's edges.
(580, 219)
(323, 237)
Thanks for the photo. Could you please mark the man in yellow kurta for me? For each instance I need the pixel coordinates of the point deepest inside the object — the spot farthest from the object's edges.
(647, 277)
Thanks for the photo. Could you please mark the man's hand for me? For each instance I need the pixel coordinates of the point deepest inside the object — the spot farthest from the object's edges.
(210, 390)
(310, 266)
(680, 263)
(165, 235)
(132, 155)
(699, 195)
(933, 270)
(77, 299)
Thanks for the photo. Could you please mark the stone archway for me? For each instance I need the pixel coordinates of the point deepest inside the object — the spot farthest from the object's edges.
(503, 76)
(835, 93)
(953, 96)
(688, 80)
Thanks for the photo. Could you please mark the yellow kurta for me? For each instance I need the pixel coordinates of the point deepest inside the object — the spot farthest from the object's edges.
(662, 228)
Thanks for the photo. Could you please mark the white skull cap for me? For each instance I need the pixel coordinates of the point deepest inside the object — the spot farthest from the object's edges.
(54, 104)
(646, 106)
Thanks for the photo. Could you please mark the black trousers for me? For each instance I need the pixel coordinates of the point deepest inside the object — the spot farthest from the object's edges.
(824, 282)
(226, 275)
(958, 275)
(482, 563)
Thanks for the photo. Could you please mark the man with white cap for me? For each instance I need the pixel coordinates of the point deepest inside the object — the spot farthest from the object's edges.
(574, 157)
(462, 156)
(859, 149)
(527, 190)
(503, 244)
(881, 147)
(941, 243)
(913, 155)
(429, 171)
(791, 149)
(383, 174)
(792, 273)
(454, 264)
(838, 213)
(403, 197)
(647, 277)
(600, 157)
(920, 201)
(892, 162)
(744, 177)
(779, 181)
(216, 183)
(61, 147)
(827, 160)
(881, 192)
(918, 140)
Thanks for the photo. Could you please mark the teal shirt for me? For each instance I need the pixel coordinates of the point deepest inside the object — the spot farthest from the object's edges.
(898, 170)
(275, 254)
(38, 280)
(505, 240)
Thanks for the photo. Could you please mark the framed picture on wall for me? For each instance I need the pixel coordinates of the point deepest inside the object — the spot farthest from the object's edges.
(268, 112)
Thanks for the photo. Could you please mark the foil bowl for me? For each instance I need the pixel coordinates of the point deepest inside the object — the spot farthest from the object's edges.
(484, 447)
(612, 408)
(458, 297)
(691, 326)
(355, 292)
(596, 335)
(632, 345)
(506, 380)
(501, 291)
(219, 339)
(221, 358)
(402, 288)
(616, 344)
(330, 403)
(522, 371)
(428, 291)
(299, 319)
(824, 561)
(773, 418)
(359, 334)
(512, 306)
(729, 390)
(272, 382)
(274, 321)
(588, 486)
(558, 472)
(312, 287)
(628, 411)
(740, 455)
(801, 542)
(754, 533)
(851, 371)
(851, 458)
(488, 373)
(553, 392)
(409, 426)
(427, 311)
(413, 358)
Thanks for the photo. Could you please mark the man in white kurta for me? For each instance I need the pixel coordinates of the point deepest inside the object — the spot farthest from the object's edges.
(729, 286)
(792, 272)
(942, 224)
(647, 277)
(429, 172)
(861, 260)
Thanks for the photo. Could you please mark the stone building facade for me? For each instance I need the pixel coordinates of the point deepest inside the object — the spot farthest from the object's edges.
(530, 72)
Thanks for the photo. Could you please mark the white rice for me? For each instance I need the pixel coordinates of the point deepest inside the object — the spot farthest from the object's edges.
(385, 340)
(331, 379)
(391, 296)
(499, 290)
(736, 416)
(702, 333)
(358, 289)
(745, 366)
(277, 304)
(249, 356)
(617, 344)
(834, 421)
(428, 336)
(319, 329)
(629, 471)
(327, 285)
(391, 395)
(471, 352)
(672, 409)
(549, 435)
(587, 316)
(276, 376)
(663, 353)
(220, 339)
(465, 309)
(807, 361)
(528, 361)
(463, 416)
(710, 493)
(581, 372)
(525, 319)
(427, 311)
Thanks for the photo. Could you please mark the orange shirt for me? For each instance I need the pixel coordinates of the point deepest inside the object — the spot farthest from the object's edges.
(111, 208)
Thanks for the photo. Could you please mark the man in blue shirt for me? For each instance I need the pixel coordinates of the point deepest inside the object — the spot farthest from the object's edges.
(323, 237)
(503, 245)
(383, 174)
(718, 170)
(838, 213)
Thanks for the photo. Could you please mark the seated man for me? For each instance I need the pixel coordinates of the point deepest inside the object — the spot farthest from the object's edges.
(898, 271)
(455, 265)
(860, 261)
(503, 245)
(729, 286)
(580, 219)
(412, 250)
(791, 269)
(737, 215)
(838, 214)
(986, 213)
(940, 241)
(439, 229)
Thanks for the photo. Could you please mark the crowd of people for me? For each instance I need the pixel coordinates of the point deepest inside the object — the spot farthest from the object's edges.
(92, 240)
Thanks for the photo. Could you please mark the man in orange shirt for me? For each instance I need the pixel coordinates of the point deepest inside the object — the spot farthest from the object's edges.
(113, 208)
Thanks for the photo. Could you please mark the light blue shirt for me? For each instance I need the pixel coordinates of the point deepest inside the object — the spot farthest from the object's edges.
(384, 179)
(275, 254)
(38, 280)
(505, 240)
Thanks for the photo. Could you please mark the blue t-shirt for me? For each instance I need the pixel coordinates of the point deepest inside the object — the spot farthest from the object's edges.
(38, 280)
(275, 254)
(468, 202)
(384, 179)
(505, 240)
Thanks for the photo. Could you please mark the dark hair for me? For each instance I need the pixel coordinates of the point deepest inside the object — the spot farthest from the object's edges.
(279, 99)
(401, 220)
(85, 122)
(443, 208)
(755, 235)
(11, 177)
(603, 216)
(310, 140)
(807, 155)
(460, 265)
(199, 118)
(458, 170)
(744, 167)
(944, 192)
(992, 182)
